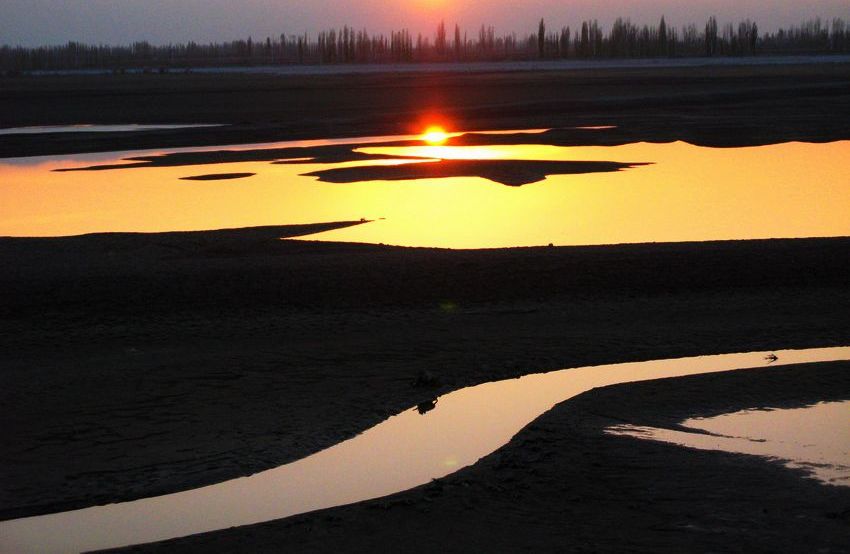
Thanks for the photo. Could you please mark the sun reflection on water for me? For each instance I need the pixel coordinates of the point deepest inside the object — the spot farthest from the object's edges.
(688, 193)
(435, 135)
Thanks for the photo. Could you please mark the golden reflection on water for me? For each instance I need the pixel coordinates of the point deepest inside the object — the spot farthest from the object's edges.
(688, 193)
(435, 135)
(405, 451)
(814, 438)
(491, 152)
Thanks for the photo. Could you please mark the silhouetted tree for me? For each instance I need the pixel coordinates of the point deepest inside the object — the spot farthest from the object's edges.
(345, 45)
(754, 37)
(583, 48)
(440, 40)
(564, 42)
(711, 37)
(541, 38)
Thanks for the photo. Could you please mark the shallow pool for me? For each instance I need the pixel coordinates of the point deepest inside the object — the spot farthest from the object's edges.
(815, 438)
(448, 196)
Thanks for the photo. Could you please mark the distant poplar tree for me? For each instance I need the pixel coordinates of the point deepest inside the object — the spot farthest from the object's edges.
(564, 42)
(711, 36)
(541, 38)
(584, 41)
(440, 41)
(754, 37)
(346, 45)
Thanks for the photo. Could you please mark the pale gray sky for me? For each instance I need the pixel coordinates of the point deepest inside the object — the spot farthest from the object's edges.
(34, 22)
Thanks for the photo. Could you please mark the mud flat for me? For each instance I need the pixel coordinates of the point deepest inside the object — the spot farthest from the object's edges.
(219, 354)
(711, 105)
(564, 485)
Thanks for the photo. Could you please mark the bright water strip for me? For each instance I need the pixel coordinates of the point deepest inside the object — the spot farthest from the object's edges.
(403, 452)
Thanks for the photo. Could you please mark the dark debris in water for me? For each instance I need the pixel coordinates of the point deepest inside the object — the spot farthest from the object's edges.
(425, 407)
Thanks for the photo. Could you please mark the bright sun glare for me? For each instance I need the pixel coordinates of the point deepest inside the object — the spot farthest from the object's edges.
(435, 135)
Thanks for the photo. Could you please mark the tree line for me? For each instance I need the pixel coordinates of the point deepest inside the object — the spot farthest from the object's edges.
(348, 45)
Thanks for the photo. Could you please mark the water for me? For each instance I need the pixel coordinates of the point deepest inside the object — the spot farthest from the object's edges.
(685, 193)
(402, 452)
(485, 67)
(815, 438)
(84, 128)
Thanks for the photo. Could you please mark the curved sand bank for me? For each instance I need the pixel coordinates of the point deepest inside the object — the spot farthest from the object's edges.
(563, 485)
(403, 452)
(219, 354)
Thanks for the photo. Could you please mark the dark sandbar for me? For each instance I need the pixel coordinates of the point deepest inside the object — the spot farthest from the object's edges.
(513, 173)
(217, 177)
(563, 485)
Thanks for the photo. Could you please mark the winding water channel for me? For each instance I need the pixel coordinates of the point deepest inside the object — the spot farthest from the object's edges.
(404, 451)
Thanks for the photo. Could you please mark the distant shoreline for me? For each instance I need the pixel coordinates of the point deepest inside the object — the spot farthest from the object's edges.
(465, 67)
(711, 105)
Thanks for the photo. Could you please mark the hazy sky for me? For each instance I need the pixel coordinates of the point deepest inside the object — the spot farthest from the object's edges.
(33, 22)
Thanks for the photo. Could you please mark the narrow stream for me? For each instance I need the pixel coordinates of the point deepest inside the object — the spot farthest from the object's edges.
(403, 452)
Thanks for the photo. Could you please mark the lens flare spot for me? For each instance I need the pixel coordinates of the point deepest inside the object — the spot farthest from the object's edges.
(435, 135)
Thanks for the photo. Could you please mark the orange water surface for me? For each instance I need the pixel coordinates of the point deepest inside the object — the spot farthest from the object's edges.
(687, 193)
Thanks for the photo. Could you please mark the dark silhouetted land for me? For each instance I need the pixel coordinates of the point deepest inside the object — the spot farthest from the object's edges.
(513, 173)
(141, 364)
(218, 177)
(712, 106)
(218, 354)
(563, 485)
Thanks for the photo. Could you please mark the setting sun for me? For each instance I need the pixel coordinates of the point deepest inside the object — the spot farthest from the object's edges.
(435, 135)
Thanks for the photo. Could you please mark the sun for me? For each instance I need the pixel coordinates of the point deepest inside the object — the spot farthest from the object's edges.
(435, 135)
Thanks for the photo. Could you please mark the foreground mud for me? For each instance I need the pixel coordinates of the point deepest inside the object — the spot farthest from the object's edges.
(563, 485)
(137, 365)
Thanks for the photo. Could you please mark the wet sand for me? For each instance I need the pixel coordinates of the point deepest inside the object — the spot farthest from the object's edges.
(563, 485)
(712, 106)
(142, 364)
